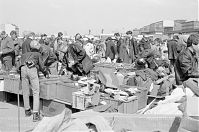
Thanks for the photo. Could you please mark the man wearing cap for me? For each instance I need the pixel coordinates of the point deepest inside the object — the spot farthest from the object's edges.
(111, 50)
(31, 63)
(172, 46)
(132, 45)
(7, 52)
(119, 42)
(17, 46)
(187, 64)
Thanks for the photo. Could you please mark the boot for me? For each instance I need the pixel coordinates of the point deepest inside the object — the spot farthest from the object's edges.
(36, 117)
(28, 113)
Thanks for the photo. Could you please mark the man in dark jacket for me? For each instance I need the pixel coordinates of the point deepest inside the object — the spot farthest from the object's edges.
(48, 56)
(133, 48)
(31, 63)
(187, 64)
(145, 43)
(111, 49)
(77, 61)
(172, 46)
(7, 52)
(17, 47)
(119, 42)
(124, 53)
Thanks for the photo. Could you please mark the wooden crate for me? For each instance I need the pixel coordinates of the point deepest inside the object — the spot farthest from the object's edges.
(141, 95)
(129, 107)
(80, 101)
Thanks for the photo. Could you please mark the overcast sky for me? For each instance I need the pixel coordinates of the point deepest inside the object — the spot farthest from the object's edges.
(72, 16)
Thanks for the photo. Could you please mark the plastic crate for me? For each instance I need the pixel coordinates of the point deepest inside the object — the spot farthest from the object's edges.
(129, 107)
(80, 101)
(64, 91)
(48, 88)
(11, 84)
(54, 88)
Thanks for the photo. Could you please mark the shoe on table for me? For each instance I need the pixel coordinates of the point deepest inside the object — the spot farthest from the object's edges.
(28, 112)
(36, 117)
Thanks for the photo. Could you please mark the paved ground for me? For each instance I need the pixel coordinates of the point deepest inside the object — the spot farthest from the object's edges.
(9, 118)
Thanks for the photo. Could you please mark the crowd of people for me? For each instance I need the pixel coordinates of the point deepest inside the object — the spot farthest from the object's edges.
(58, 55)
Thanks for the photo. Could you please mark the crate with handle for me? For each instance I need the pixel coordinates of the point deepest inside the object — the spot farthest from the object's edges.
(128, 107)
(141, 94)
(81, 101)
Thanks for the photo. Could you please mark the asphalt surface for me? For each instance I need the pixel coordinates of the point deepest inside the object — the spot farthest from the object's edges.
(9, 118)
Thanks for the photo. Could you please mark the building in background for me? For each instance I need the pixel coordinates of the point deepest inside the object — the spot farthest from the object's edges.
(170, 27)
(136, 32)
(160, 27)
(8, 28)
(178, 25)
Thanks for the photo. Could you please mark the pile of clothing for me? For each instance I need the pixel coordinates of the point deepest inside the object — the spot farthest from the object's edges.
(172, 104)
(65, 123)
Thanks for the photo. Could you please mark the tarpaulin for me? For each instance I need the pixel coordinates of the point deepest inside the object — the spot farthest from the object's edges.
(64, 123)
(137, 122)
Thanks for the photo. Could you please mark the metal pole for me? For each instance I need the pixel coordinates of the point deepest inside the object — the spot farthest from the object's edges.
(18, 100)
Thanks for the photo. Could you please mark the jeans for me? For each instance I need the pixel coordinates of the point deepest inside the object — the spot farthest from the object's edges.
(30, 80)
(192, 83)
